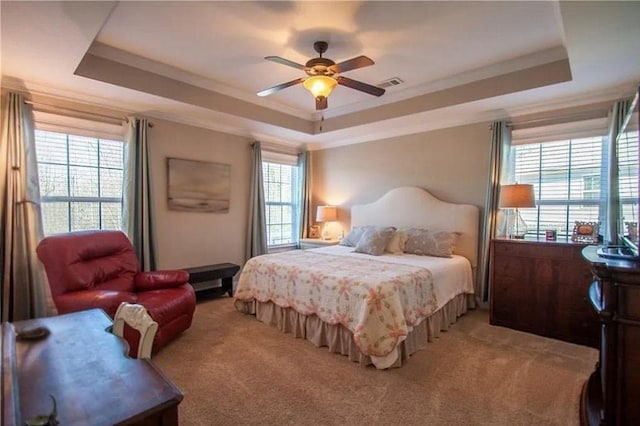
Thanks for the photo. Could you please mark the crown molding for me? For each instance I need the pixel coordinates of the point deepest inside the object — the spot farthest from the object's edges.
(238, 129)
(611, 94)
(242, 127)
(64, 96)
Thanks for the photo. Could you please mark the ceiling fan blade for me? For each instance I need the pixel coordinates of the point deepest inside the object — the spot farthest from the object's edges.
(352, 64)
(321, 103)
(279, 87)
(358, 85)
(284, 61)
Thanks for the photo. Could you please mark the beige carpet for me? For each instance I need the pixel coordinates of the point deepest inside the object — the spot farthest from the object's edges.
(235, 370)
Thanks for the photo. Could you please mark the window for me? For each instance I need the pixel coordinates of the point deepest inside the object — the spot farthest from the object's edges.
(567, 180)
(628, 175)
(591, 185)
(282, 201)
(80, 182)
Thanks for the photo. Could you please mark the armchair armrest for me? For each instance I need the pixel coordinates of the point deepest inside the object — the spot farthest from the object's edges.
(157, 280)
(107, 300)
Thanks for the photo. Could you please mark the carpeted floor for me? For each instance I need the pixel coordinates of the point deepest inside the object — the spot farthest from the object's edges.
(235, 370)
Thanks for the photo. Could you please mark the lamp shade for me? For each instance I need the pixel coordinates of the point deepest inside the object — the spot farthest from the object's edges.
(320, 85)
(517, 196)
(326, 214)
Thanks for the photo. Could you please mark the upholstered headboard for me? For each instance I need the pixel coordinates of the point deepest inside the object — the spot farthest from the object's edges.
(414, 207)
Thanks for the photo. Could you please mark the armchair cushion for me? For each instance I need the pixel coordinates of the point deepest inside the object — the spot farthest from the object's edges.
(88, 260)
(106, 300)
(157, 280)
(171, 308)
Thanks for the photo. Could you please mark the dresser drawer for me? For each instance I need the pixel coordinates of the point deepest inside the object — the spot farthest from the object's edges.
(510, 266)
(535, 250)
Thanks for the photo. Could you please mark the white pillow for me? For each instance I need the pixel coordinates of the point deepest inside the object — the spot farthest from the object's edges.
(431, 243)
(374, 240)
(352, 238)
(397, 243)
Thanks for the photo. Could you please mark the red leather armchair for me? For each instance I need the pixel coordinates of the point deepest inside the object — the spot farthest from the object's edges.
(99, 269)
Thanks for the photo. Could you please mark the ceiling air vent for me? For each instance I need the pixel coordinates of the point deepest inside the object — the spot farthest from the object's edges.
(393, 81)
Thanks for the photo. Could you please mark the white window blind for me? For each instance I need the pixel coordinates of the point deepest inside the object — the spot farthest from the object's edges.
(568, 181)
(80, 181)
(78, 126)
(282, 198)
(627, 150)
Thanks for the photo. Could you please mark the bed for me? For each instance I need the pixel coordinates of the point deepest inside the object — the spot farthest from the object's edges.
(374, 309)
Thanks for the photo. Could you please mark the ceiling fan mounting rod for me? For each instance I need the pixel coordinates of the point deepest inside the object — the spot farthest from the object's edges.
(320, 65)
(321, 47)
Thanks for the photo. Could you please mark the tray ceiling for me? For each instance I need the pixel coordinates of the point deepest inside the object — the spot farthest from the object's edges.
(202, 62)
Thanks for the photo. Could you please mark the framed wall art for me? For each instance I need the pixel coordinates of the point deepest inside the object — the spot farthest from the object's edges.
(198, 186)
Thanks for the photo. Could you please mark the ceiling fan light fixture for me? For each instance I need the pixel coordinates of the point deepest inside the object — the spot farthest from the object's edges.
(321, 73)
(320, 85)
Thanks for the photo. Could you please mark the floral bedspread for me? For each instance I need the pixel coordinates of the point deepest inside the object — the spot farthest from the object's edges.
(378, 302)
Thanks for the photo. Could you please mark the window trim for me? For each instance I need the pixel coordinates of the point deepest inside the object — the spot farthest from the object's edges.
(285, 160)
(535, 229)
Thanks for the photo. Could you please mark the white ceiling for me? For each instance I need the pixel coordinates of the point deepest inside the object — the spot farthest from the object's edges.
(202, 62)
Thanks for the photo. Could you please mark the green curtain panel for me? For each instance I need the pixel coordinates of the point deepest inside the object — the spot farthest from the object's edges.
(618, 113)
(306, 218)
(257, 225)
(500, 148)
(138, 193)
(25, 290)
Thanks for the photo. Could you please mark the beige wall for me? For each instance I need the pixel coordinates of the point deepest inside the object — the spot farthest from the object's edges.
(453, 164)
(193, 239)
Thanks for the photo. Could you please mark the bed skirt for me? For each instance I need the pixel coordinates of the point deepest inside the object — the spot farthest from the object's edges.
(340, 340)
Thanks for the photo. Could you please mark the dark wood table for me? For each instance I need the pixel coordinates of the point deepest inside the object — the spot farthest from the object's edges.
(85, 368)
(207, 273)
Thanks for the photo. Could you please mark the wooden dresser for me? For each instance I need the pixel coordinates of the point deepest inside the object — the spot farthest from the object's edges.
(542, 287)
(84, 367)
(611, 395)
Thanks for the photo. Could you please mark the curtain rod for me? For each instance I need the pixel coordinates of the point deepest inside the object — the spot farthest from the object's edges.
(95, 114)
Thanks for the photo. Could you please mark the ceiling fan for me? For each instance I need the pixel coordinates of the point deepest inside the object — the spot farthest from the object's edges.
(321, 74)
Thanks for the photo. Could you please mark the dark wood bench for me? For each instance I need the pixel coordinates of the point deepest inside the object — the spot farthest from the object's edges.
(222, 271)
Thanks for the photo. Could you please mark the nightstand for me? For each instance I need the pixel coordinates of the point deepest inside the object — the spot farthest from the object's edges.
(308, 243)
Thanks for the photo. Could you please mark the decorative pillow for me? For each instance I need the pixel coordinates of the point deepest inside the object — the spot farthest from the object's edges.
(352, 238)
(426, 243)
(374, 240)
(397, 243)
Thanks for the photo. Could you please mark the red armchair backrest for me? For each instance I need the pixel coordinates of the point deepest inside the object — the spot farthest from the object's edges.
(88, 260)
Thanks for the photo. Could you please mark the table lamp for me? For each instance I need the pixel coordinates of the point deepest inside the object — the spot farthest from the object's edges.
(326, 214)
(516, 196)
